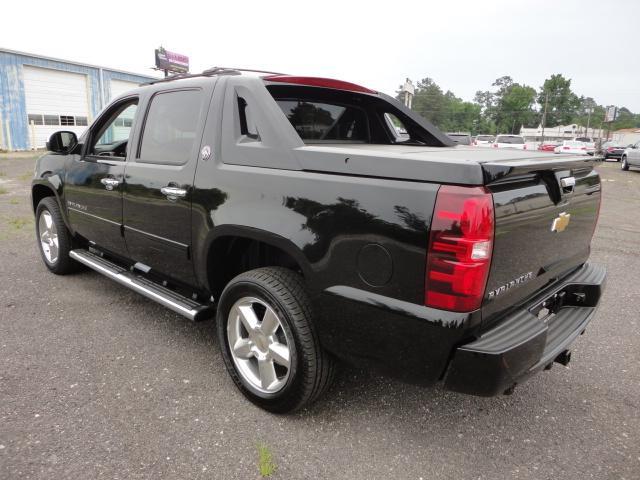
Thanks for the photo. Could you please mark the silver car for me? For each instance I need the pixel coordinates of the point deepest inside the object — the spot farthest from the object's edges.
(631, 156)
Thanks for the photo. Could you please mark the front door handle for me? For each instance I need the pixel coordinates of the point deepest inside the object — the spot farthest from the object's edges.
(110, 183)
(173, 193)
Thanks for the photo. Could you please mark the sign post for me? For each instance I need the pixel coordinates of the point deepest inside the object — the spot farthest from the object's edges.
(171, 62)
(610, 115)
(409, 90)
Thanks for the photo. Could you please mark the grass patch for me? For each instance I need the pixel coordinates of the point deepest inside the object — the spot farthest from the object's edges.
(25, 176)
(3, 191)
(14, 201)
(3, 174)
(18, 223)
(266, 465)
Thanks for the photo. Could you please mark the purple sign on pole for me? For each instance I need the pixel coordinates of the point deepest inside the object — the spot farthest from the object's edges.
(171, 61)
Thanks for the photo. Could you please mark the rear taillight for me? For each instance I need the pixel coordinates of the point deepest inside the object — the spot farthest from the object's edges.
(525, 147)
(566, 148)
(495, 145)
(460, 247)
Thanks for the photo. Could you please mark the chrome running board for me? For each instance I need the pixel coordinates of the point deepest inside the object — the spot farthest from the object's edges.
(172, 300)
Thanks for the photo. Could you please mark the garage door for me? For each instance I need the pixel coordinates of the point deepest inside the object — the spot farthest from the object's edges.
(56, 100)
(118, 87)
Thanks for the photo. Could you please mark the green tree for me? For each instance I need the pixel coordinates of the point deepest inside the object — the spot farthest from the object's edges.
(563, 104)
(508, 108)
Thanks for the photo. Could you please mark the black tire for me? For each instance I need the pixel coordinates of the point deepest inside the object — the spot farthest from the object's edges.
(63, 264)
(311, 369)
(624, 165)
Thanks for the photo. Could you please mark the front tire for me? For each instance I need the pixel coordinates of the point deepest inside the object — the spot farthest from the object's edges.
(268, 340)
(54, 239)
(624, 165)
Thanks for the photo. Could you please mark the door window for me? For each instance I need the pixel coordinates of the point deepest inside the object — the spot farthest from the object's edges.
(170, 128)
(111, 138)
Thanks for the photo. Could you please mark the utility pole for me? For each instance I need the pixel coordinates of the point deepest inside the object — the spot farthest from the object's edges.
(544, 115)
(589, 110)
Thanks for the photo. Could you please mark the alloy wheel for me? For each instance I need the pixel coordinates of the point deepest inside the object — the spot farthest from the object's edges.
(259, 345)
(48, 236)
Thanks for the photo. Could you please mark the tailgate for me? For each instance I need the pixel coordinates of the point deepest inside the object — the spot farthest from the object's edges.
(545, 215)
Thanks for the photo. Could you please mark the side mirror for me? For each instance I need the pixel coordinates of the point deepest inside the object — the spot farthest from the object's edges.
(62, 142)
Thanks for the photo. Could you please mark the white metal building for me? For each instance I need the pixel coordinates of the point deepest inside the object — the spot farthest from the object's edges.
(40, 95)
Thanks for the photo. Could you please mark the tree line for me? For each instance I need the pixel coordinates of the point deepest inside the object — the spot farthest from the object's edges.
(509, 105)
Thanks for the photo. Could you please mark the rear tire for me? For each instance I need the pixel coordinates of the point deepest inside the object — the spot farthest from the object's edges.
(624, 165)
(280, 367)
(53, 237)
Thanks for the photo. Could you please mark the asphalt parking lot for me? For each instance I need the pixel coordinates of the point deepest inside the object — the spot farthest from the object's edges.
(98, 382)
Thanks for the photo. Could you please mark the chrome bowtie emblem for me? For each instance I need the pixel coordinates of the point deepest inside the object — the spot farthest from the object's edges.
(205, 153)
(560, 222)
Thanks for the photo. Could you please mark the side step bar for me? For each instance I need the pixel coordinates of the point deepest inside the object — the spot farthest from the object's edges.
(174, 301)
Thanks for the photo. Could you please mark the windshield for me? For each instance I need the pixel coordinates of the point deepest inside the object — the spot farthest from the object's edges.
(484, 138)
(511, 140)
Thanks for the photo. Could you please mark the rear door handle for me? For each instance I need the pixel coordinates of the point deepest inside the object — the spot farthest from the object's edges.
(173, 193)
(110, 183)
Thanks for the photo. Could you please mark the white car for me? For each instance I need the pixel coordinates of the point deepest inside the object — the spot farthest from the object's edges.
(573, 147)
(509, 141)
(483, 140)
(631, 156)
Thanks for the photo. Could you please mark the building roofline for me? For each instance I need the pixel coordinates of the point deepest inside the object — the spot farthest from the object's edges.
(71, 62)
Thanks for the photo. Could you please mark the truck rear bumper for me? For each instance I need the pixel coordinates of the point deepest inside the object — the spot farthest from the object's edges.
(528, 339)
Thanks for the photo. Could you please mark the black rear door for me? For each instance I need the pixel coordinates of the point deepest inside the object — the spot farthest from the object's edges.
(94, 180)
(159, 181)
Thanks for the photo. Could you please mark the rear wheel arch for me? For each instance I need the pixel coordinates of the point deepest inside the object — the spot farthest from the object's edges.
(237, 250)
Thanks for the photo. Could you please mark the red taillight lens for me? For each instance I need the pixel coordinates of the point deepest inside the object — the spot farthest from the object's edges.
(495, 145)
(460, 247)
(566, 148)
(524, 147)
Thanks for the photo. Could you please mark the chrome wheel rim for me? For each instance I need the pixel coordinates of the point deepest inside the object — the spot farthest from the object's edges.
(259, 345)
(48, 236)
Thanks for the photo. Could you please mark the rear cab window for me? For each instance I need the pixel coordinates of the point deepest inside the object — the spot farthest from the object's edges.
(325, 115)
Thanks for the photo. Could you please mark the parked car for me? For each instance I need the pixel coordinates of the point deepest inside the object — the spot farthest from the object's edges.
(630, 157)
(460, 138)
(509, 141)
(291, 210)
(547, 147)
(573, 147)
(612, 150)
(484, 140)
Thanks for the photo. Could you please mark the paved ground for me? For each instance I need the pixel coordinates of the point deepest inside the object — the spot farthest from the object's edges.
(98, 382)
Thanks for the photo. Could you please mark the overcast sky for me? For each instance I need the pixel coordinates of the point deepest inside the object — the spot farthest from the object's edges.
(463, 45)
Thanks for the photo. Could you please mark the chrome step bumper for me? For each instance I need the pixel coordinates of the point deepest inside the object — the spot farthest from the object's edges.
(174, 301)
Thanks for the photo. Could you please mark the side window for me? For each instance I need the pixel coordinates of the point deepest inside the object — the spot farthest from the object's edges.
(170, 128)
(397, 128)
(111, 137)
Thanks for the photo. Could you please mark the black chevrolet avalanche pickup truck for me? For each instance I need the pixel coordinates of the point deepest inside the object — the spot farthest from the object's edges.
(319, 221)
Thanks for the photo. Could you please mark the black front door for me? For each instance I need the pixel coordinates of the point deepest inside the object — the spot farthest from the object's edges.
(159, 182)
(94, 180)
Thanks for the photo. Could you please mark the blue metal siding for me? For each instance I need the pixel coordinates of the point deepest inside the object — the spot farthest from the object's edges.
(13, 110)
